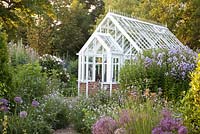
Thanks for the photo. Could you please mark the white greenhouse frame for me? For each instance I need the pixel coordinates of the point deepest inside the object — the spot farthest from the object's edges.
(116, 39)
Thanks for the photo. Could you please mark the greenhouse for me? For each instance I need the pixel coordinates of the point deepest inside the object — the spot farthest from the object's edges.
(117, 39)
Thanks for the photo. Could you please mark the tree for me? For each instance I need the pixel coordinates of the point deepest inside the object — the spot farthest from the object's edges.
(15, 14)
(94, 7)
(5, 76)
(71, 28)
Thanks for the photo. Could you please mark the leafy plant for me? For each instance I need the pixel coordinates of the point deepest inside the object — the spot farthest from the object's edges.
(88, 110)
(165, 69)
(191, 102)
(20, 54)
(55, 110)
(22, 117)
(5, 75)
(50, 63)
(30, 82)
(140, 117)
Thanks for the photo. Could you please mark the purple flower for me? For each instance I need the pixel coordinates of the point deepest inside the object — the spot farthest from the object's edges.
(169, 125)
(172, 51)
(159, 63)
(105, 125)
(18, 100)
(157, 130)
(23, 114)
(174, 58)
(35, 103)
(166, 113)
(4, 108)
(169, 60)
(160, 56)
(148, 61)
(3, 101)
(182, 130)
(125, 117)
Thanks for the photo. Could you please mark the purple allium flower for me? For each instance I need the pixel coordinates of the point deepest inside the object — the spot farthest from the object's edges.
(124, 117)
(4, 108)
(166, 113)
(169, 125)
(35, 103)
(3, 101)
(23, 114)
(105, 125)
(18, 100)
(157, 130)
(182, 130)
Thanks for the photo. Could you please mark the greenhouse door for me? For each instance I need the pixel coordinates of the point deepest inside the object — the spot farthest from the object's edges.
(98, 69)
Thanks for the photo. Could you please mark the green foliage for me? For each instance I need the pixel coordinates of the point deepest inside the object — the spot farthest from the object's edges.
(51, 63)
(17, 15)
(5, 76)
(20, 55)
(50, 112)
(87, 111)
(29, 82)
(140, 117)
(191, 102)
(160, 70)
(24, 118)
(55, 110)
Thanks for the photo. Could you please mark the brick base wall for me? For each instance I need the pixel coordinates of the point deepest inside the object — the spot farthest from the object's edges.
(93, 87)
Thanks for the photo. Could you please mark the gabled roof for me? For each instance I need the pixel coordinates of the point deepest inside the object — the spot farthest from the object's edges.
(101, 41)
(131, 36)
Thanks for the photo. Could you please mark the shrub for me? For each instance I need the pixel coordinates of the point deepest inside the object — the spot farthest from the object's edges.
(23, 118)
(55, 110)
(88, 110)
(20, 54)
(191, 102)
(166, 69)
(50, 112)
(5, 76)
(29, 82)
(50, 63)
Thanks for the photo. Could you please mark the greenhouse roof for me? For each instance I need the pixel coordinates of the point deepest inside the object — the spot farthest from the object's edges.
(130, 35)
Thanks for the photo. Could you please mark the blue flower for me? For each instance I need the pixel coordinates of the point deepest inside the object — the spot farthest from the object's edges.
(173, 51)
(35, 103)
(18, 100)
(23, 114)
(148, 61)
(3, 101)
(160, 56)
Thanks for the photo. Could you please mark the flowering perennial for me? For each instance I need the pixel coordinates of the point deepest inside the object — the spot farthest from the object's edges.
(35, 103)
(18, 100)
(169, 125)
(105, 125)
(23, 114)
